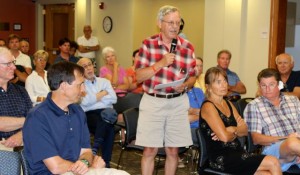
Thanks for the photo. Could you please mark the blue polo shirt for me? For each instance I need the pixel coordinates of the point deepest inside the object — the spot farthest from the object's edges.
(14, 102)
(196, 97)
(233, 79)
(48, 131)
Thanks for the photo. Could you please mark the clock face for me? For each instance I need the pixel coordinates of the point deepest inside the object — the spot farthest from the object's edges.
(107, 24)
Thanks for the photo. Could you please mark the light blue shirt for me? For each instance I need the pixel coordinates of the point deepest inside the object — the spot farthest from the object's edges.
(233, 79)
(89, 102)
(196, 98)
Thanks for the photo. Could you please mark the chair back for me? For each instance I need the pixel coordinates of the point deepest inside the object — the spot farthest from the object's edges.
(241, 105)
(24, 163)
(130, 119)
(251, 148)
(10, 163)
(130, 100)
(203, 151)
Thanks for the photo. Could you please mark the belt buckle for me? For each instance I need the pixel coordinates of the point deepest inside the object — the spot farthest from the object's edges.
(169, 95)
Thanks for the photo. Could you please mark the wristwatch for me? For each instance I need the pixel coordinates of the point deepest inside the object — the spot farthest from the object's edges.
(85, 162)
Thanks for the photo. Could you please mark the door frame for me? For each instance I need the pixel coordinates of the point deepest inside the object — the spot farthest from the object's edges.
(277, 29)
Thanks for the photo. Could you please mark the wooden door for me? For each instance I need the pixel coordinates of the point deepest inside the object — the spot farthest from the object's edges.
(59, 23)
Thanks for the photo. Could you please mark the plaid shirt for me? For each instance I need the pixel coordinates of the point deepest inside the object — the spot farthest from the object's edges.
(153, 51)
(15, 102)
(265, 118)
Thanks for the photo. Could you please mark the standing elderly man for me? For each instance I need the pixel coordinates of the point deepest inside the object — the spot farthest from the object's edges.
(163, 118)
(14, 103)
(88, 45)
(274, 119)
(56, 136)
(290, 78)
(235, 85)
(99, 96)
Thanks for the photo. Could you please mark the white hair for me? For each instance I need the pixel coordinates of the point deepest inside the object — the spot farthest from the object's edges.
(164, 10)
(106, 50)
(290, 56)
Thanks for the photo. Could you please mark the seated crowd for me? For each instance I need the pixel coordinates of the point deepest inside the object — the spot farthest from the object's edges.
(56, 131)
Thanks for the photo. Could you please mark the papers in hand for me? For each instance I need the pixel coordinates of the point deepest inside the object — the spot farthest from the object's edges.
(171, 84)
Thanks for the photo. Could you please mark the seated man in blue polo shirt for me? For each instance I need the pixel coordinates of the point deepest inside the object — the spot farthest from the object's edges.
(99, 96)
(14, 103)
(56, 136)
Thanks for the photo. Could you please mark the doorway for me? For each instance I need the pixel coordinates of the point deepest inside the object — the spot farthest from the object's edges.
(58, 24)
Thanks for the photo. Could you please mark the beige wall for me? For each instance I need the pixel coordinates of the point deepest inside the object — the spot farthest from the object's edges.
(241, 26)
(134, 21)
(238, 25)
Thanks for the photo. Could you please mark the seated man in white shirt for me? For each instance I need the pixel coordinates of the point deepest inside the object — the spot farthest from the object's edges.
(99, 95)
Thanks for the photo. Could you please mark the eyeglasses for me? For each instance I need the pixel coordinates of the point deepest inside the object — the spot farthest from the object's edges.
(172, 23)
(270, 86)
(87, 66)
(9, 64)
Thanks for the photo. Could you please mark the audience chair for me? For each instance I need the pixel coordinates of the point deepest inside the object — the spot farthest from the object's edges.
(241, 105)
(125, 101)
(131, 120)
(130, 100)
(203, 157)
(24, 163)
(10, 163)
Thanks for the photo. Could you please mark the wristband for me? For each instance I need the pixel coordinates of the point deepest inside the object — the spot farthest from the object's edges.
(85, 162)
(153, 68)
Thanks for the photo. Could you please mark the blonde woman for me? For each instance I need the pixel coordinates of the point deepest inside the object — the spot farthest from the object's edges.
(36, 83)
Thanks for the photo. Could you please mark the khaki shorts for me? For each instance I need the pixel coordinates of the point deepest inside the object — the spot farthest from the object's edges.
(164, 122)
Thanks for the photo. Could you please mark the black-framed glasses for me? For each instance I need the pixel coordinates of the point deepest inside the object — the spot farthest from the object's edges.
(9, 64)
(172, 23)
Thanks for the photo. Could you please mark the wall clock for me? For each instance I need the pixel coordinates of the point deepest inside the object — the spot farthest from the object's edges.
(107, 24)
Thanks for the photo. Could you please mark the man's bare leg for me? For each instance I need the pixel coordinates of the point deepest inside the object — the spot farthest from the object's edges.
(171, 160)
(148, 160)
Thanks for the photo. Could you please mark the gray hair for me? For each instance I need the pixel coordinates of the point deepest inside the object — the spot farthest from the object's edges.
(164, 10)
(106, 50)
(4, 52)
(290, 56)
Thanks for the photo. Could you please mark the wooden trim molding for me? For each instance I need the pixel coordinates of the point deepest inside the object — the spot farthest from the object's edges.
(277, 30)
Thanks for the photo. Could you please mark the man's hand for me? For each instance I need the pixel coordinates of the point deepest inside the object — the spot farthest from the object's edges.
(79, 168)
(98, 162)
(13, 141)
(168, 59)
(180, 88)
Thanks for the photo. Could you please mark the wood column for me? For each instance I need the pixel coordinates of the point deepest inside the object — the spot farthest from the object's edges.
(277, 30)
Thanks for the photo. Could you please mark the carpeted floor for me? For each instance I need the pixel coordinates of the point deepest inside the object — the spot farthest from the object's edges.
(131, 162)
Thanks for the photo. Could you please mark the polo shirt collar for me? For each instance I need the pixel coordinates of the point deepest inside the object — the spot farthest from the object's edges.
(54, 108)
